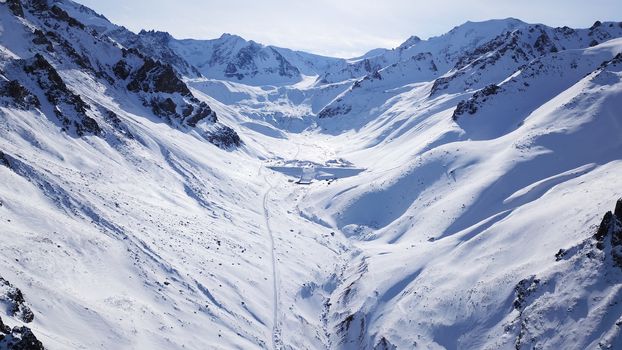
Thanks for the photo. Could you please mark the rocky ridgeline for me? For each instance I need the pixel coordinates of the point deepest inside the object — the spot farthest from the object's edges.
(60, 41)
(511, 50)
(155, 44)
(68, 107)
(417, 68)
(244, 63)
(163, 91)
(350, 71)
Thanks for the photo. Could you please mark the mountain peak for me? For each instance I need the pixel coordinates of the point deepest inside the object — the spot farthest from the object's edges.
(160, 35)
(233, 37)
(412, 40)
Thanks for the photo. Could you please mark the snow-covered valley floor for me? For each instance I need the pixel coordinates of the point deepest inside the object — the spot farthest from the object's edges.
(445, 194)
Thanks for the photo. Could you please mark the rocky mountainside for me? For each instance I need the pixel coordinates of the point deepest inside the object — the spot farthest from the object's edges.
(469, 59)
(159, 193)
(50, 42)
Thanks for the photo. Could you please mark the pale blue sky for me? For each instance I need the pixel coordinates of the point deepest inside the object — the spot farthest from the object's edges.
(344, 28)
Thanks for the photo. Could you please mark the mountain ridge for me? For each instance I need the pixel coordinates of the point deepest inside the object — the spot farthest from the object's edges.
(445, 194)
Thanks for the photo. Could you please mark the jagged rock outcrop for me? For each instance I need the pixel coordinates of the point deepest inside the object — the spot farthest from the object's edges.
(16, 7)
(523, 290)
(166, 94)
(16, 95)
(330, 111)
(610, 233)
(384, 344)
(224, 137)
(68, 107)
(155, 44)
(41, 39)
(61, 41)
(4, 161)
(470, 106)
(494, 60)
(18, 338)
(13, 298)
(155, 76)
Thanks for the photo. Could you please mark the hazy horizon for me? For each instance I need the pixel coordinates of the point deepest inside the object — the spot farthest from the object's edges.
(348, 28)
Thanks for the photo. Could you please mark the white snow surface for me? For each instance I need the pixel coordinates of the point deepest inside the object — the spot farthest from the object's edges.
(413, 233)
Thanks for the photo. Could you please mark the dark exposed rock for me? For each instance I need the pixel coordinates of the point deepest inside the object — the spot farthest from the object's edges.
(121, 69)
(187, 110)
(39, 5)
(27, 340)
(490, 90)
(14, 298)
(163, 107)
(87, 125)
(604, 228)
(286, 69)
(113, 119)
(344, 325)
(502, 44)
(520, 45)
(329, 112)
(155, 76)
(465, 106)
(560, 254)
(367, 65)
(47, 77)
(4, 328)
(596, 25)
(565, 30)
(384, 344)
(59, 95)
(524, 289)
(593, 43)
(60, 14)
(154, 44)
(159, 80)
(618, 210)
(18, 95)
(610, 232)
(16, 7)
(79, 58)
(224, 137)
(4, 160)
(41, 39)
(471, 105)
(243, 64)
(232, 71)
(203, 111)
(441, 83)
(18, 338)
(544, 44)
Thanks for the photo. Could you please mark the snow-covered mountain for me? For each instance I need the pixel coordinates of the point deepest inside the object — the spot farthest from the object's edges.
(456, 192)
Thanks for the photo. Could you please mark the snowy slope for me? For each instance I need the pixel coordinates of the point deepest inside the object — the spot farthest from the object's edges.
(449, 206)
(454, 252)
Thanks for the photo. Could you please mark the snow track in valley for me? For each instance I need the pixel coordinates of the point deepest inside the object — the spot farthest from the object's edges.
(276, 331)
